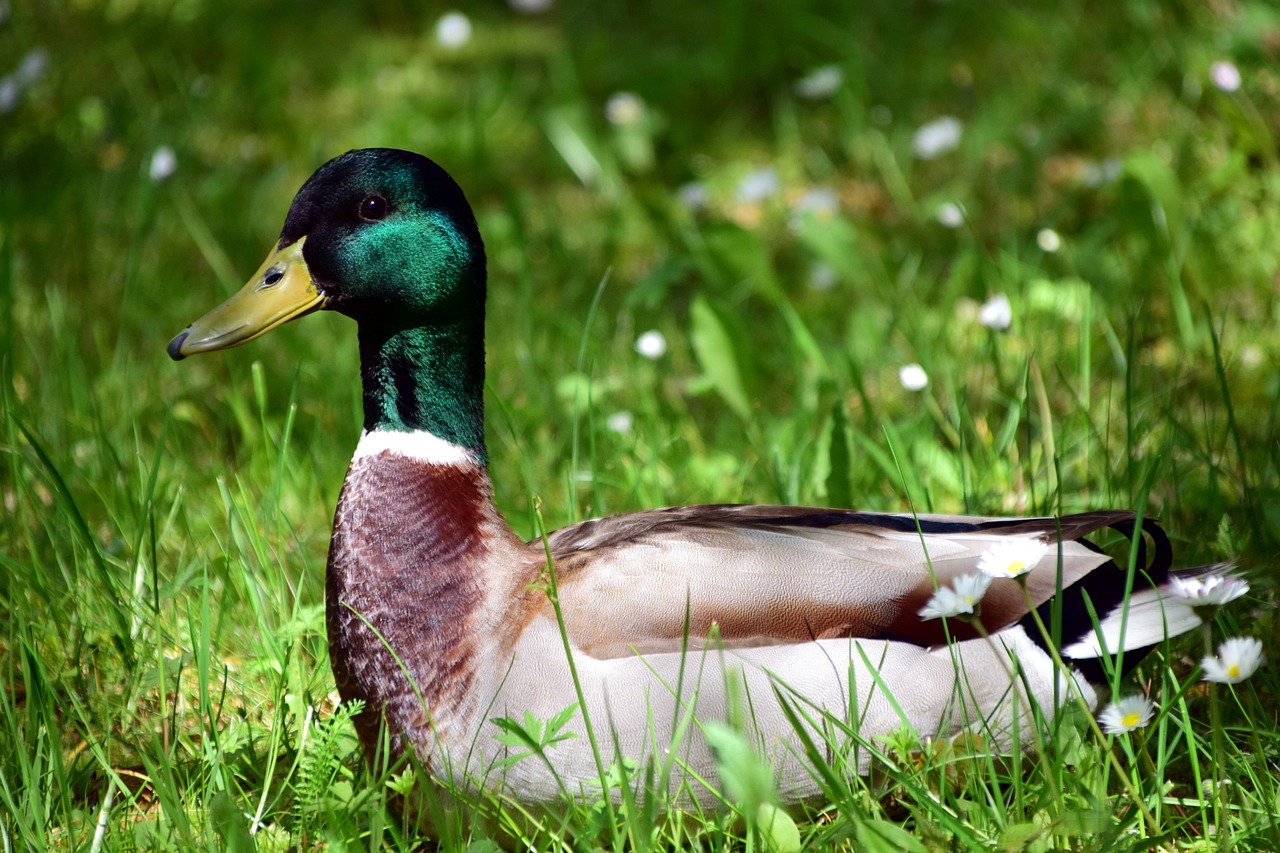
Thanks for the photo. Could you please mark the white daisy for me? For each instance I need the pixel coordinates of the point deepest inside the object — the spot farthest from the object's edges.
(950, 214)
(1206, 595)
(1126, 714)
(531, 7)
(453, 30)
(652, 345)
(996, 313)
(938, 137)
(1048, 240)
(620, 422)
(820, 83)
(32, 66)
(9, 93)
(1106, 172)
(694, 195)
(1215, 590)
(822, 276)
(1238, 658)
(819, 201)
(163, 163)
(971, 588)
(758, 185)
(958, 599)
(943, 604)
(1225, 75)
(1012, 558)
(624, 109)
(913, 377)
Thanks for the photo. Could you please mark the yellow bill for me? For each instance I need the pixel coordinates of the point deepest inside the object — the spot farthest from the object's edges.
(279, 291)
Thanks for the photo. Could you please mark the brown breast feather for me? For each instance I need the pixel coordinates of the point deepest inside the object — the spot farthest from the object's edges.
(402, 600)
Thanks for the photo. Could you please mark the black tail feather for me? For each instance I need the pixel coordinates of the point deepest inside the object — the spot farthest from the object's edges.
(1072, 614)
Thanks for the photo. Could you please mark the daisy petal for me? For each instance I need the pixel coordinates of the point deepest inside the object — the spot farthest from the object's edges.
(958, 599)
(1214, 590)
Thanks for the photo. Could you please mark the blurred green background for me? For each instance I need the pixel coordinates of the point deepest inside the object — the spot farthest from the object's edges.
(761, 184)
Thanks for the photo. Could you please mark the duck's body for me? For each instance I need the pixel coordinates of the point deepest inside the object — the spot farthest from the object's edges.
(441, 618)
(808, 599)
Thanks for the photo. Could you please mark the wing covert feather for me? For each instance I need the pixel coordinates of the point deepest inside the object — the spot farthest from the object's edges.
(760, 575)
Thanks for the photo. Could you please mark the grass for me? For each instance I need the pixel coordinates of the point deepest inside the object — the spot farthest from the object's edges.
(164, 680)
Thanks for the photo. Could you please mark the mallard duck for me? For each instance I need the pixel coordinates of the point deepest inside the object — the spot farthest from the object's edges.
(440, 618)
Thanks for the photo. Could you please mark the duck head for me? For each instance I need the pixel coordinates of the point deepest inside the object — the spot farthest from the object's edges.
(381, 235)
(387, 238)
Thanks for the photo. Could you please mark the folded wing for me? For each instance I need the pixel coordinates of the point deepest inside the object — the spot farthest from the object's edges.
(765, 575)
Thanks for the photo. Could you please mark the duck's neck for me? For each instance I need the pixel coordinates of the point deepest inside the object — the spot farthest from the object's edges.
(426, 379)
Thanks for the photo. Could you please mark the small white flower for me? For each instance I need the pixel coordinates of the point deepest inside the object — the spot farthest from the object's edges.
(1238, 658)
(820, 83)
(652, 345)
(694, 195)
(531, 7)
(913, 377)
(938, 137)
(1126, 714)
(1210, 590)
(950, 214)
(10, 91)
(959, 598)
(970, 588)
(32, 66)
(1048, 240)
(453, 30)
(821, 276)
(624, 109)
(943, 604)
(29, 70)
(1106, 172)
(996, 313)
(819, 201)
(163, 163)
(619, 422)
(1225, 75)
(1011, 558)
(1208, 594)
(758, 185)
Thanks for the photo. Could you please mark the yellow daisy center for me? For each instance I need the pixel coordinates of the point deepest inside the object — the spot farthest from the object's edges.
(1131, 719)
(1234, 670)
(1015, 567)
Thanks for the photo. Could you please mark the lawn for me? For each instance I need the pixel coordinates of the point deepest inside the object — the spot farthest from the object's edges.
(921, 256)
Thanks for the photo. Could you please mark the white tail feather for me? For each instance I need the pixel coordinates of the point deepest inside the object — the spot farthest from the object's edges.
(1153, 614)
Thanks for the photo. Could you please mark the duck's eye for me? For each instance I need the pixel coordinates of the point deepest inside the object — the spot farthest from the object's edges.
(373, 208)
